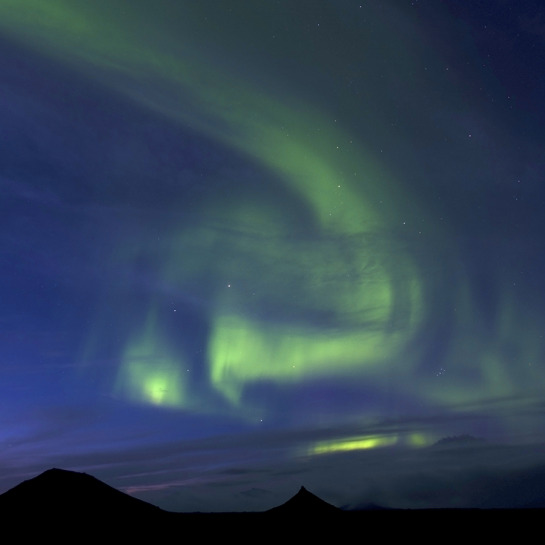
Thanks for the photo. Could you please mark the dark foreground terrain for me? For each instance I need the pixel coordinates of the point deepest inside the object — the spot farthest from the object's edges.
(71, 507)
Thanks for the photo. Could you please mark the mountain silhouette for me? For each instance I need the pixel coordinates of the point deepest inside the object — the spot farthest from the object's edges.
(305, 503)
(76, 495)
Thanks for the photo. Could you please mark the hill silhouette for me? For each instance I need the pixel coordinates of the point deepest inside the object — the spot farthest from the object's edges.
(60, 490)
(71, 506)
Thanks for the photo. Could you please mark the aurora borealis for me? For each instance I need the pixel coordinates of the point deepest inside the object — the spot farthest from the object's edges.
(241, 235)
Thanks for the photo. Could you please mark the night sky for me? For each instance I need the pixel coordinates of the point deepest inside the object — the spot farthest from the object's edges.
(251, 245)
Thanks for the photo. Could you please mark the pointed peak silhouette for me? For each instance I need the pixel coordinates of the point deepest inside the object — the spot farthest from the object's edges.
(305, 502)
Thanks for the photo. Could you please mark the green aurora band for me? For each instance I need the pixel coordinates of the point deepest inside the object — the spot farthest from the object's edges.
(342, 297)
